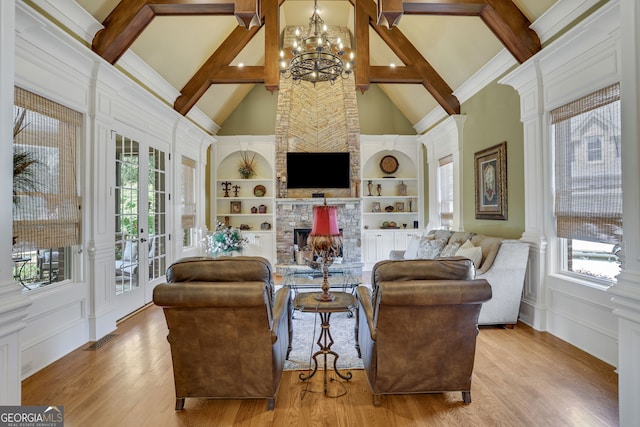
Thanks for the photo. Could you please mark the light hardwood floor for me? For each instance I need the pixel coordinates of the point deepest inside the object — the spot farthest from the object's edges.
(521, 378)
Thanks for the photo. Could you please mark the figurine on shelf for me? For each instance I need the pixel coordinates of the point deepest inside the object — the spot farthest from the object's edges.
(226, 186)
(236, 188)
(402, 189)
(370, 186)
(410, 203)
(379, 189)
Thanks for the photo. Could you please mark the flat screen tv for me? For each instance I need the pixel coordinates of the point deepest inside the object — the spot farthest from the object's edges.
(318, 170)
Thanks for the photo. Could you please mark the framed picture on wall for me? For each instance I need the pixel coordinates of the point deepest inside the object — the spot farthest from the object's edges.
(236, 207)
(490, 169)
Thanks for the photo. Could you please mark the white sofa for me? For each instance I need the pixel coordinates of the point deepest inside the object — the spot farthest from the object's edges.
(503, 265)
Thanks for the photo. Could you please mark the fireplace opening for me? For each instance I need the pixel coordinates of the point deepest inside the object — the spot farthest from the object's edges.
(300, 236)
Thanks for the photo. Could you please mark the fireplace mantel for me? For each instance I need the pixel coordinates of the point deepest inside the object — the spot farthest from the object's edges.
(318, 201)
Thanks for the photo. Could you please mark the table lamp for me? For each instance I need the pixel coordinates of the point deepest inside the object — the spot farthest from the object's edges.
(325, 241)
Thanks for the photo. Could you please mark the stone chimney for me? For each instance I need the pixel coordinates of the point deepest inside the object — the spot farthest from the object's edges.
(320, 118)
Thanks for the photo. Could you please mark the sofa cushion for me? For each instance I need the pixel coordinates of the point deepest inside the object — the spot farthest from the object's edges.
(474, 253)
(440, 234)
(430, 249)
(461, 237)
(450, 250)
(490, 247)
(412, 247)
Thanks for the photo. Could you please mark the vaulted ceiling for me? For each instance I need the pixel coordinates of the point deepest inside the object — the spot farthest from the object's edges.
(197, 46)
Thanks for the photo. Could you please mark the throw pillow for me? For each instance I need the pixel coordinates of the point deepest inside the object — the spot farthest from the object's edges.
(474, 253)
(412, 247)
(450, 250)
(430, 249)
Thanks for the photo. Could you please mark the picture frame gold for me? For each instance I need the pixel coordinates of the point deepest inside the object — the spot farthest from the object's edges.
(236, 207)
(490, 170)
(375, 207)
(399, 206)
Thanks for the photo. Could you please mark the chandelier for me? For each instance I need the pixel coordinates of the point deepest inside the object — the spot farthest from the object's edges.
(314, 58)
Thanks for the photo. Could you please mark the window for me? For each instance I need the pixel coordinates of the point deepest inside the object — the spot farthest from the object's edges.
(588, 183)
(445, 191)
(46, 206)
(188, 201)
(594, 148)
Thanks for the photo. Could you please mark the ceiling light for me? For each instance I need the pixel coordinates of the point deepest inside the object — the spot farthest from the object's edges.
(314, 58)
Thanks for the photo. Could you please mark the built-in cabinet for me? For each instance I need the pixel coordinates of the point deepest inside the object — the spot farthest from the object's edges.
(248, 204)
(391, 194)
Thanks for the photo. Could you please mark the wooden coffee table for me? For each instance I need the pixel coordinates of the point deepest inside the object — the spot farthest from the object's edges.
(308, 302)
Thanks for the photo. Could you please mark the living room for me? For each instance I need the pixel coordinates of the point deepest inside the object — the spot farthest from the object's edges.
(510, 104)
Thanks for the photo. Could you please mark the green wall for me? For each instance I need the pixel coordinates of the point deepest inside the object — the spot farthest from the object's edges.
(379, 116)
(256, 114)
(493, 116)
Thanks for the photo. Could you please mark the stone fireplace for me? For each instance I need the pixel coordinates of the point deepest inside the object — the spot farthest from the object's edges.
(320, 118)
(296, 214)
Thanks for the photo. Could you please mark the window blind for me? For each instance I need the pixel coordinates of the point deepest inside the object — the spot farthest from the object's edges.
(47, 215)
(588, 172)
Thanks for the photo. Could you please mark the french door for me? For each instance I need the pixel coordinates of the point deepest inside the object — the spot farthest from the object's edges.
(140, 222)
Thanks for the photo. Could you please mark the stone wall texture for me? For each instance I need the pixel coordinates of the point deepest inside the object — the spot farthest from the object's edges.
(320, 118)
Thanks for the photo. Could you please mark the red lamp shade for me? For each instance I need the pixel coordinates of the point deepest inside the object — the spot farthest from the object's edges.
(325, 221)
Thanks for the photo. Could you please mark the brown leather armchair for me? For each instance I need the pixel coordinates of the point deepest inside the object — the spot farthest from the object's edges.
(229, 333)
(417, 330)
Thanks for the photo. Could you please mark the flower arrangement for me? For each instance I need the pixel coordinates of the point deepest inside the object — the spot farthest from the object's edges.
(247, 169)
(225, 239)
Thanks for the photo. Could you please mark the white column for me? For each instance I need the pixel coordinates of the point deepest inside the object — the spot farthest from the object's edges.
(13, 304)
(527, 80)
(626, 293)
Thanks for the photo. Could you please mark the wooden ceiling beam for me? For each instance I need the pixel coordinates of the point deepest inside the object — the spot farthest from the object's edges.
(248, 12)
(395, 75)
(411, 57)
(361, 38)
(222, 57)
(271, 10)
(503, 17)
(509, 24)
(218, 62)
(130, 17)
(238, 75)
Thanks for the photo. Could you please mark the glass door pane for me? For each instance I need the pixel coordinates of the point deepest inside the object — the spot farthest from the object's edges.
(126, 214)
(157, 214)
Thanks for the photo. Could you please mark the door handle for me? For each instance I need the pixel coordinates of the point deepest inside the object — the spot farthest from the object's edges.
(142, 240)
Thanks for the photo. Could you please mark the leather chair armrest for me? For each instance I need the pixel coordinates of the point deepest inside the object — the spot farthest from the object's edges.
(366, 308)
(280, 313)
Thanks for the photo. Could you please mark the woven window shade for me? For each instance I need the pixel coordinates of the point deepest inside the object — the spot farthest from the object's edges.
(48, 215)
(588, 173)
(188, 193)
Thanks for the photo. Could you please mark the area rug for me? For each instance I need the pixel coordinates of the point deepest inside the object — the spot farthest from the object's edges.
(306, 330)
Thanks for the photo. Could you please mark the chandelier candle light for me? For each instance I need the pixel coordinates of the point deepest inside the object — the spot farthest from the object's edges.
(314, 58)
(325, 240)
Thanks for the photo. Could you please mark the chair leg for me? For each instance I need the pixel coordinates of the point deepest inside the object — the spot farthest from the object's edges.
(376, 400)
(466, 397)
(271, 404)
(179, 403)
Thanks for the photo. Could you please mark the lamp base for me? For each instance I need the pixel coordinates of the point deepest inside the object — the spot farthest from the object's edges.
(325, 295)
